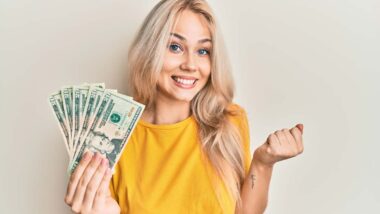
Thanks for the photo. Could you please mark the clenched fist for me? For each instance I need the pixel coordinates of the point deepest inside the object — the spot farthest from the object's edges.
(280, 145)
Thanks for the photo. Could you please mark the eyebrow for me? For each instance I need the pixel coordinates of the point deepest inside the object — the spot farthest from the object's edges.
(184, 39)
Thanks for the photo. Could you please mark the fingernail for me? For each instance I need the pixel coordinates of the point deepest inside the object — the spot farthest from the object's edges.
(105, 161)
(86, 155)
(300, 127)
(96, 156)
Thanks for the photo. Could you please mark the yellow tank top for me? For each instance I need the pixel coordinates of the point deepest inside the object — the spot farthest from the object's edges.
(161, 170)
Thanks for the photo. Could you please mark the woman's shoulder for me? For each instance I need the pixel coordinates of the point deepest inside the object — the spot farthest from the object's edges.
(235, 109)
(237, 114)
(239, 118)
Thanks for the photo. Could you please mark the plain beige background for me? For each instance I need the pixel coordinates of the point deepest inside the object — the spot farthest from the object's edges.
(310, 61)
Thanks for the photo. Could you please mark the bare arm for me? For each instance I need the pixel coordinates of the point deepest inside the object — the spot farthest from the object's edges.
(280, 145)
(255, 189)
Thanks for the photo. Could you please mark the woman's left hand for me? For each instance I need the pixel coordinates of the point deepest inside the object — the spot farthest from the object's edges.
(280, 145)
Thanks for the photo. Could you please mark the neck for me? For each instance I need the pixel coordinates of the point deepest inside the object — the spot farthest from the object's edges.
(167, 111)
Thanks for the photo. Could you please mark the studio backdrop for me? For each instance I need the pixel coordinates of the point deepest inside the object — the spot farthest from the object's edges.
(314, 62)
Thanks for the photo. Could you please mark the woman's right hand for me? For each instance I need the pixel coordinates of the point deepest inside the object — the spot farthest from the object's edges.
(88, 187)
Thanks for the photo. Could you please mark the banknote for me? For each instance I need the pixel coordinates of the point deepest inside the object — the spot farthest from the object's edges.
(71, 102)
(67, 97)
(79, 97)
(92, 118)
(112, 125)
(56, 103)
(95, 95)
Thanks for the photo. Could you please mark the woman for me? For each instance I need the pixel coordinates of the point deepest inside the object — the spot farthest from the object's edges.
(190, 152)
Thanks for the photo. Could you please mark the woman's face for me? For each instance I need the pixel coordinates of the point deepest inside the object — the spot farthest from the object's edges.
(187, 62)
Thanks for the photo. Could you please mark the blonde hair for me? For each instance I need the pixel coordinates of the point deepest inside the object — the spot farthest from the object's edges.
(220, 140)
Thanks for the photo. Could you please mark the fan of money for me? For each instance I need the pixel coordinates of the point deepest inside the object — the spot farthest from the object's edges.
(92, 118)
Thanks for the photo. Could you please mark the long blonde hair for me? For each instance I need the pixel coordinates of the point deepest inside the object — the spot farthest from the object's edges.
(219, 138)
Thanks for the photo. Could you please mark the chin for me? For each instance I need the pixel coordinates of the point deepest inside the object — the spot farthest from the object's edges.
(185, 98)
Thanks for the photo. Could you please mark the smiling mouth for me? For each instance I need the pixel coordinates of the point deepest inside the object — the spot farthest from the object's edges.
(184, 81)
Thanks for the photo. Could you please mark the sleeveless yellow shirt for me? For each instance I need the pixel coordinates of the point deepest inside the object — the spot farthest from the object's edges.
(161, 170)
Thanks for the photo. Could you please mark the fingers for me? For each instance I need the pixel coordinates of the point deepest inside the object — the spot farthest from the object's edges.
(274, 144)
(281, 135)
(297, 134)
(285, 142)
(300, 127)
(84, 181)
(292, 149)
(93, 185)
(103, 190)
(282, 140)
(75, 177)
(281, 145)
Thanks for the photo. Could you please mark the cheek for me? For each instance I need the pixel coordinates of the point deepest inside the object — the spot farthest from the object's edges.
(205, 68)
(171, 61)
(171, 64)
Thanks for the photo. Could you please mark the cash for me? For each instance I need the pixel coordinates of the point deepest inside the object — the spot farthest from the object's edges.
(92, 118)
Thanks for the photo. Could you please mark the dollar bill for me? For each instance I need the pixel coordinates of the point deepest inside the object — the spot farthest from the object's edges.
(67, 97)
(73, 102)
(92, 118)
(94, 97)
(115, 118)
(84, 91)
(56, 104)
(79, 94)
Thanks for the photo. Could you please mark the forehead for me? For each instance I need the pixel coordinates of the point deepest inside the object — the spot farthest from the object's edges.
(191, 25)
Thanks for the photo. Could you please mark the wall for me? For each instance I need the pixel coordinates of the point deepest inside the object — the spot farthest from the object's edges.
(312, 62)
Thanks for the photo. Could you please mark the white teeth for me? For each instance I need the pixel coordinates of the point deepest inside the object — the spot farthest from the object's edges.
(184, 81)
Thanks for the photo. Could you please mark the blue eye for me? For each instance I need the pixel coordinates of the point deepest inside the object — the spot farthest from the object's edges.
(203, 52)
(175, 47)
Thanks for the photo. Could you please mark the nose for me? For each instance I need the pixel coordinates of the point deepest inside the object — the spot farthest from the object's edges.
(189, 63)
